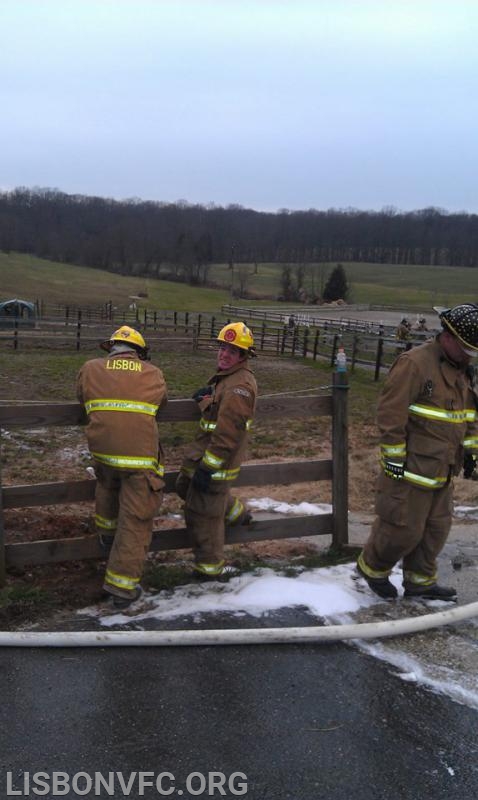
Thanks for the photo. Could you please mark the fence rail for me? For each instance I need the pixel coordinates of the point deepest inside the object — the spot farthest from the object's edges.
(318, 342)
(334, 470)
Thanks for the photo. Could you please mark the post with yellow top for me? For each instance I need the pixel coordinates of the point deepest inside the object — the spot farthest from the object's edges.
(340, 473)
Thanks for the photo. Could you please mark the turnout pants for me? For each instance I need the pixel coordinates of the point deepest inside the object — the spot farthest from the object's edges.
(126, 503)
(206, 515)
(412, 524)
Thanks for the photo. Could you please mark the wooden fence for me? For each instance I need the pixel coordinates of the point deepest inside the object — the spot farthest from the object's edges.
(180, 330)
(280, 408)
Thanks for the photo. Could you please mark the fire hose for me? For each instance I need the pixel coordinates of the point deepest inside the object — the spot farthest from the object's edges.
(203, 638)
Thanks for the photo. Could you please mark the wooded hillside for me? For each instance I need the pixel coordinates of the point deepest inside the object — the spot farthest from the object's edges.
(179, 241)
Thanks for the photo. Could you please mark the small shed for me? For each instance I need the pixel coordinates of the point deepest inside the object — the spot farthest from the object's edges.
(21, 311)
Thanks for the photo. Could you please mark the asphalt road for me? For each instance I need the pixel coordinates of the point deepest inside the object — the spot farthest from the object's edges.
(305, 722)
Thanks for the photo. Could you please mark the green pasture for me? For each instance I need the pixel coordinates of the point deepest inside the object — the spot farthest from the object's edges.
(31, 278)
(402, 286)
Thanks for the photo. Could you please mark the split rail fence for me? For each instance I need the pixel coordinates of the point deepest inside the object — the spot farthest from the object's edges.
(280, 407)
(182, 331)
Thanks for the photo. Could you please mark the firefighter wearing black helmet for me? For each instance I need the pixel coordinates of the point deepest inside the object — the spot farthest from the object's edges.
(427, 418)
(121, 394)
(213, 460)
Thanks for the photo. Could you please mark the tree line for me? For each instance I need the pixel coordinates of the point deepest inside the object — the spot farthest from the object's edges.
(179, 241)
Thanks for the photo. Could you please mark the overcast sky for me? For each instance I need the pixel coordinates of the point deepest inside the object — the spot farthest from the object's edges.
(266, 103)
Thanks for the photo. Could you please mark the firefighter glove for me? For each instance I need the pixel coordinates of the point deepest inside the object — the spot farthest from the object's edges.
(469, 466)
(205, 391)
(394, 469)
(201, 479)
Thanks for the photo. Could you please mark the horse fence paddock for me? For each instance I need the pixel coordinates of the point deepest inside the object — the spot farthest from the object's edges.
(278, 407)
(182, 331)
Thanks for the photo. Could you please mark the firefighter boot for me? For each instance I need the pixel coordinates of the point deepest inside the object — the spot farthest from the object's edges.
(122, 603)
(383, 587)
(432, 592)
(105, 541)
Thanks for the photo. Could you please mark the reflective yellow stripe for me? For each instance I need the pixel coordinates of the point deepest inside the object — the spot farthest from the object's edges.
(206, 425)
(419, 579)
(218, 475)
(426, 483)
(211, 460)
(209, 569)
(390, 450)
(372, 573)
(121, 581)
(442, 414)
(471, 442)
(225, 474)
(109, 404)
(107, 524)
(130, 462)
(235, 511)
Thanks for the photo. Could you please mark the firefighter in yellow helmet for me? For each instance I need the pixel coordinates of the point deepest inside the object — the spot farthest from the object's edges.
(428, 423)
(213, 461)
(121, 394)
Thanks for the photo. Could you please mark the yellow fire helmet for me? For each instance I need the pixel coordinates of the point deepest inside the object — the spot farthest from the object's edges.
(128, 336)
(238, 334)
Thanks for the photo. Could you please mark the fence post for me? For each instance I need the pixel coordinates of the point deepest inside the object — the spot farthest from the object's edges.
(355, 347)
(334, 349)
(15, 334)
(316, 344)
(263, 334)
(295, 336)
(195, 337)
(186, 322)
(78, 330)
(306, 343)
(284, 335)
(340, 472)
(378, 360)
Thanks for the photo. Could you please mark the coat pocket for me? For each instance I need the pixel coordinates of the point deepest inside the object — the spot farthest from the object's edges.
(428, 457)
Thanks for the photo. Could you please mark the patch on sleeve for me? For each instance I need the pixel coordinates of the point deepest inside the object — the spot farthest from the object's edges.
(242, 392)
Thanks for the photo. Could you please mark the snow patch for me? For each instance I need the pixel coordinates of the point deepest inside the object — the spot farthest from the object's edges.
(279, 507)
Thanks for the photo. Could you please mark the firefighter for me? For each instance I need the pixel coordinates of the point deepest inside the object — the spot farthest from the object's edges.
(121, 394)
(427, 418)
(213, 462)
(403, 331)
(421, 324)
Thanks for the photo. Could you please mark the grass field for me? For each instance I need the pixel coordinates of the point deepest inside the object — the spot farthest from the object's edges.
(414, 287)
(411, 287)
